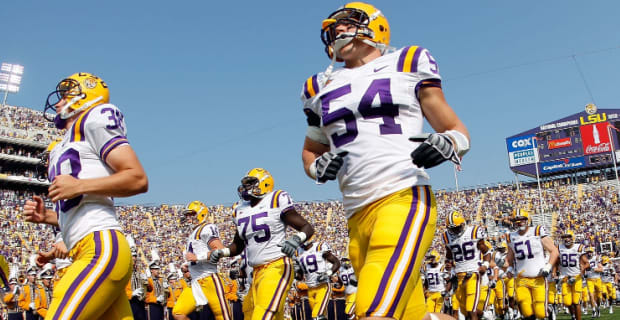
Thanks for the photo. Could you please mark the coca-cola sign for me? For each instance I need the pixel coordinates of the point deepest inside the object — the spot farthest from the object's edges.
(595, 138)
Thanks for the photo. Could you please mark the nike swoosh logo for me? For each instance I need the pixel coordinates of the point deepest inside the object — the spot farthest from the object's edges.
(379, 69)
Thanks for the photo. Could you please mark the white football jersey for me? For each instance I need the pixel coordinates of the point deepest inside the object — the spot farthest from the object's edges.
(569, 259)
(608, 274)
(244, 283)
(346, 275)
(312, 262)
(593, 264)
(82, 154)
(465, 253)
(435, 277)
(198, 243)
(371, 111)
(261, 227)
(528, 251)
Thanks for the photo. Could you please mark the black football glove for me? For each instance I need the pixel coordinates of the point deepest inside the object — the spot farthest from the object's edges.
(434, 149)
(328, 165)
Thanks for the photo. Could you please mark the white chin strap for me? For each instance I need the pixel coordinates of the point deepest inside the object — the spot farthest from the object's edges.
(341, 40)
(66, 115)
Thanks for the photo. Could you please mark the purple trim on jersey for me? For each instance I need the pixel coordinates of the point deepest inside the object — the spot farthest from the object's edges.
(405, 279)
(414, 61)
(275, 201)
(426, 83)
(82, 122)
(81, 276)
(103, 276)
(399, 248)
(315, 86)
(111, 145)
(401, 59)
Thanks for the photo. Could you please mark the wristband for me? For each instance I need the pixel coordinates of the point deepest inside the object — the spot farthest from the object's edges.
(226, 252)
(461, 143)
(312, 171)
(302, 236)
(486, 264)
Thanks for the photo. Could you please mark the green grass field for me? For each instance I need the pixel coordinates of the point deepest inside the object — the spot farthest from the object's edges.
(604, 315)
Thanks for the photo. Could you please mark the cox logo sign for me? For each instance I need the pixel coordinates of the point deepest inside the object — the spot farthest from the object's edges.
(521, 143)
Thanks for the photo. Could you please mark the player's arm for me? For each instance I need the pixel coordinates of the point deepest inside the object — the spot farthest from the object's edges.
(127, 180)
(510, 260)
(312, 150)
(584, 264)
(34, 211)
(237, 246)
(551, 248)
(292, 218)
(599, 268)
(333, 260)
(449, 254)
(442, 118)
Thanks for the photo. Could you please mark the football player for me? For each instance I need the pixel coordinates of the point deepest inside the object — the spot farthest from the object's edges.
(608, 278)
(593, 275)
(573, 262)
(91, 165)
(347, 276)
(262, 216)
(206, 285)
(369, 109)
(317, 264)
(499, 256)
(435, 276)
(466, 248)
(526, 249)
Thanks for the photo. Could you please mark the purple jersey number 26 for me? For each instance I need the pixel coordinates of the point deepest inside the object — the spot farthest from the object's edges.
(387, 111)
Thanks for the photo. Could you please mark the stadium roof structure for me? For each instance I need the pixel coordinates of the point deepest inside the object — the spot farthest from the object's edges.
(584, 141)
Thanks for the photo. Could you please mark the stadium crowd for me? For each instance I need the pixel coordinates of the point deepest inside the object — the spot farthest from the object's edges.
(591, 211)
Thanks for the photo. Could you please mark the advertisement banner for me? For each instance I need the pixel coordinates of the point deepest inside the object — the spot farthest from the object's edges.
(595, 138)
(564, 164)
(521, 150)
(559, 143)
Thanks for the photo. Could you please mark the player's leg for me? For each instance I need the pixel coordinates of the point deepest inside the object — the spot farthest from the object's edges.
(98, 276)
(473, 288)
(321, 298)
(524, 297)
(539, 294)
(120, 310)
(415, 310)
(248, 305)
(483, 300)
(349, 309)
(213, 289)
(272, 285)
(567, 295)
(399, 229)
(500, 295)
(461, 294)
(185, 305)
(432, 304)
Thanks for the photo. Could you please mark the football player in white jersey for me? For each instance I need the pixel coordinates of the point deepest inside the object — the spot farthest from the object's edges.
(90, 166)
(608, 279)
(466, 248)
(364, 120)
(262, 216)
(573, 262)
(526, 249)
(317, 265)
(594, 283)
(435, 277)
(347, 276)
(206, 286)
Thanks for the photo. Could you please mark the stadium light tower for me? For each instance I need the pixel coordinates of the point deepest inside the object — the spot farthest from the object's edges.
(10, 79)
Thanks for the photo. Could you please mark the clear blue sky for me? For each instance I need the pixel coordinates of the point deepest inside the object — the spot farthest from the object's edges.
(210, 89)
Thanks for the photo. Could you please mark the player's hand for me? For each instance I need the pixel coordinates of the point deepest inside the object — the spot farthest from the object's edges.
(444, 293)
(60, 250)
(544, 271)
(353, 282)
(328, 165)
(492, 284)
(434, 149)
(468, 275)
(64, 187)
(191, 257)
(34, 210)
(323, 277)
(571, 280)
(290, 245)
(216, 255)
(44, 257)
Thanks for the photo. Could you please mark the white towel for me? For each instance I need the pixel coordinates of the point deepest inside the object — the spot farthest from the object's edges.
(199, 296)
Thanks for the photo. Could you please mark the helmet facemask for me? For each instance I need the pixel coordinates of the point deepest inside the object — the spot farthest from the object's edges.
(71, 91)
(346, 16)
(456, 230)
(250, 189)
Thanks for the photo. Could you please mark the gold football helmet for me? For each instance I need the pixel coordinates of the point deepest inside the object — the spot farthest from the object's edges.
(257, 183)
(198, 209)
(604, 260)
(80, 91)
(371, 27)
(568, 238)
(455, 222)
(433, 257)
(521, 219)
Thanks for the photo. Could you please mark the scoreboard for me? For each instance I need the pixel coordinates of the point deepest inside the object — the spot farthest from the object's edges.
(581, 141)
